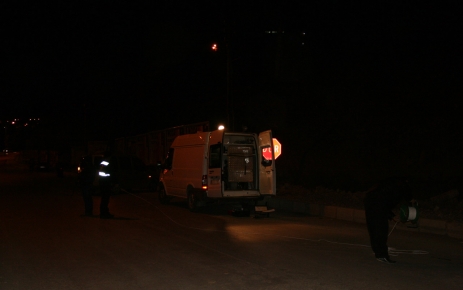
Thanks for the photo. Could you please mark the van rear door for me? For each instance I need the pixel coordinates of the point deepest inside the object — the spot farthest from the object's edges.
(215, 164)
(267, 174)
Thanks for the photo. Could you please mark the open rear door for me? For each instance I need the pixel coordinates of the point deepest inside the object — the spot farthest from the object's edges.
(267, 174)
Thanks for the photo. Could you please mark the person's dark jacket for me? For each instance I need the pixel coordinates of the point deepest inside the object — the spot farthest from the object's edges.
(386, 195)
(87, 175)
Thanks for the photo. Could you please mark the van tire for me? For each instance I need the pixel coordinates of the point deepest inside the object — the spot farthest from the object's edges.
(192, 202)
(152, 186)
(163, 198)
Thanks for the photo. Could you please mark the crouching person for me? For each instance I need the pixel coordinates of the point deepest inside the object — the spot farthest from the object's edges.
(379, 203)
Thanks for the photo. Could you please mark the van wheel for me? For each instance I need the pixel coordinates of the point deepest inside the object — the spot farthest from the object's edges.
(163, 198)
(152, 186)
(192, 203)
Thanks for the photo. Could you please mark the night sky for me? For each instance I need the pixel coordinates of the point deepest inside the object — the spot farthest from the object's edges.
(375, 70)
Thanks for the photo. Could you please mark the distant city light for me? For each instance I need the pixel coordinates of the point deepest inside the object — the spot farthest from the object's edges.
(214, 47)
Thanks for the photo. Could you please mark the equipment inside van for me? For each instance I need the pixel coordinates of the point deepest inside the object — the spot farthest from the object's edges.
(218, 166)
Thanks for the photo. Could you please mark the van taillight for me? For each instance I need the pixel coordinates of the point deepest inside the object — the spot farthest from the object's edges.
(204, 182)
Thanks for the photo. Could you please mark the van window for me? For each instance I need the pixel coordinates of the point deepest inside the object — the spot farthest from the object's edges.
(240, 139)
(214, 156)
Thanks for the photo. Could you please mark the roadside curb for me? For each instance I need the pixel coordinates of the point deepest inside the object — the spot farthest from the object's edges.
(439, 227)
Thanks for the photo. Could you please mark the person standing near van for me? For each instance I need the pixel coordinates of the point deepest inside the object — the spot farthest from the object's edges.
(379, 203)
(86, 178)
(106, 184)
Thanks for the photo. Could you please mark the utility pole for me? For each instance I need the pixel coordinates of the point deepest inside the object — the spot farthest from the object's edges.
(6, 139)
(228, 95)
(230, 112)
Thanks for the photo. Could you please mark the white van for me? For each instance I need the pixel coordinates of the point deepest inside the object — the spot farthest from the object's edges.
(218, 166)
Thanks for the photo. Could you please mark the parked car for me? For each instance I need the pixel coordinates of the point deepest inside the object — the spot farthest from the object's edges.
(126, 173)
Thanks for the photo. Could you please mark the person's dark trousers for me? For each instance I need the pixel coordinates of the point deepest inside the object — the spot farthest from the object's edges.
(88, 199)
(105, 194)
(378, 227)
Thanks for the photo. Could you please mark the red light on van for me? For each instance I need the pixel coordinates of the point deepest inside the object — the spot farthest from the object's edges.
(204, 182)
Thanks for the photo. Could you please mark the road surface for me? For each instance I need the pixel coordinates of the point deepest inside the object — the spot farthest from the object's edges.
(46, 243)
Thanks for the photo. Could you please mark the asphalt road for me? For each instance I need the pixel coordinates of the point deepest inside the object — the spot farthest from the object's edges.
(46, 243)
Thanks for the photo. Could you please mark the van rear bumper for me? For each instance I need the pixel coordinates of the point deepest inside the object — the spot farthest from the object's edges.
(231, 196)
(241, 194)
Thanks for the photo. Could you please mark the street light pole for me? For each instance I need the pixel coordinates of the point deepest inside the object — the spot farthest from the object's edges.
(6, 140)
(228, 96)
(230, 112)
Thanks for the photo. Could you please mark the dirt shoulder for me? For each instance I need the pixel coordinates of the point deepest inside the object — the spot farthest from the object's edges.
(446, 206)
